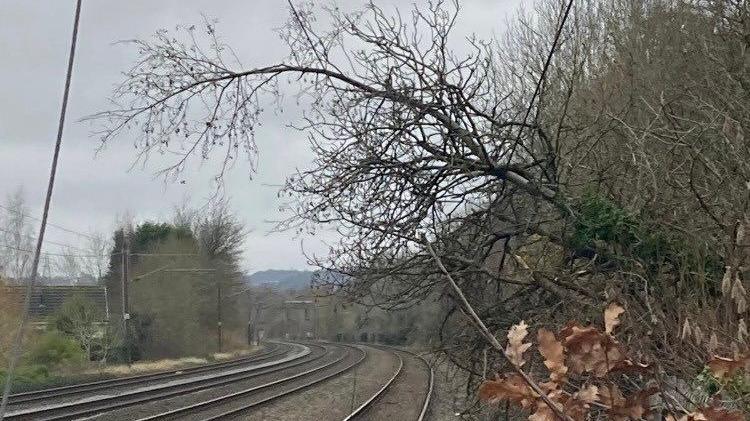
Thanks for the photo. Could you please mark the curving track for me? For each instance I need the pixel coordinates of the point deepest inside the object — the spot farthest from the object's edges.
(233, 389)
(78, 401)
(412, 381)
(275, 350)
(336, 360)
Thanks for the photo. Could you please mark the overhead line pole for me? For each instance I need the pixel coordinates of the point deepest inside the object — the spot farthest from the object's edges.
(124, 248)
(18, 340)
(219, 320)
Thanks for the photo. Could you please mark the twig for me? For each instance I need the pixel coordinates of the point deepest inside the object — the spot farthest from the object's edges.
(491, 338)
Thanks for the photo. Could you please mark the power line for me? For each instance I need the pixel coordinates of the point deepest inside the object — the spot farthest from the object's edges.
(45, 241)
(8, 246)
(543, 75)
(114, 253)
(23, 215)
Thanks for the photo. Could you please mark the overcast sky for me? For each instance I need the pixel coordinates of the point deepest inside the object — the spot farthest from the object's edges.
(93, 189)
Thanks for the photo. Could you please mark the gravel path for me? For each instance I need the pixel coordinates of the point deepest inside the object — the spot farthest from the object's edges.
(333, 399)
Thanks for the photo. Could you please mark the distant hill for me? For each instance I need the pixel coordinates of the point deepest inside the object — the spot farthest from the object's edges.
(283, 279)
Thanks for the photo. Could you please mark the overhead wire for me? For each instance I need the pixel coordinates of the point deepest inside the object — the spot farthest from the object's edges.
(113, 253)
(45, 241)
(542, 76)
(60, 227)
(8, 246)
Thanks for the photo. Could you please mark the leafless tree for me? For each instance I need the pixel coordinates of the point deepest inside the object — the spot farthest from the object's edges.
(80, 318)
(70, 265)
(15, 236)
(409, 136)
(220, 233)
(96, 262)
(625, 178)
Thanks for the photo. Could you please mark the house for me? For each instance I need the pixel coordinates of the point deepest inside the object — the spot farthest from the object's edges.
(47, 300)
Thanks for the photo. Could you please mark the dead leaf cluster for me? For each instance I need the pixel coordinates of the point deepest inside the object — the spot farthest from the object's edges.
(581, 361)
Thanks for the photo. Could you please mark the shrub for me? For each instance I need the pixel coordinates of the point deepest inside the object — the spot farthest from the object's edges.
(54, 349)
(28, 376)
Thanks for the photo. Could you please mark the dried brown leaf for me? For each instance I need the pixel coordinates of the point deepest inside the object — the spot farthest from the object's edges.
(726, 281)
(588, 394)
(741, 331)
(686, 331)
(512, 388)
(543, 413)
(722, 367)
(713, 343)
(554, 355)
(516, 347)
(635, 406)
(739, 295)
(589, 350)
(612, 317)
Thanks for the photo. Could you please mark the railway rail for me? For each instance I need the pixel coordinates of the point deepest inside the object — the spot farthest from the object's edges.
(220, 391)
(366, 409)
(231, 405)
(276, 350)
(201, 378)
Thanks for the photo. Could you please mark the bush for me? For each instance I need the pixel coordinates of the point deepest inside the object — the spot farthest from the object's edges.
(54, 349)
(28, 376)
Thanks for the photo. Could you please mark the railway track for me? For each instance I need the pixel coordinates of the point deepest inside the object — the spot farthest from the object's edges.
(200, 378)
(397, 390)
(232, 405)
(223, 391)
(276, 350)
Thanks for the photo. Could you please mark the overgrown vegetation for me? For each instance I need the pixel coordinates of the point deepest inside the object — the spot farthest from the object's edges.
(587, 369)
(617, 170)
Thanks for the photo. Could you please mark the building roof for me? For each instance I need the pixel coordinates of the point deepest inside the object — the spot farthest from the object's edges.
(46, 300)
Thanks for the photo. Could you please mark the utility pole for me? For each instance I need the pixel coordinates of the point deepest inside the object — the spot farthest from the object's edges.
(124, 251)
(218, 311)
(16, 350)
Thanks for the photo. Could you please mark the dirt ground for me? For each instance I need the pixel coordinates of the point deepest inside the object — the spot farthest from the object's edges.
(142, 367)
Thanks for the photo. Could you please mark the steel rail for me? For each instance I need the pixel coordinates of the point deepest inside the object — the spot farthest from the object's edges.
(200, 406)
(430, 385)
(108, 403)
(233, 412)
(368, 403)
(72, 389)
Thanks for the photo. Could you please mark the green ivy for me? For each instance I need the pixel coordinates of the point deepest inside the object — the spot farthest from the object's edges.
(600, 220)
(606, 227)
